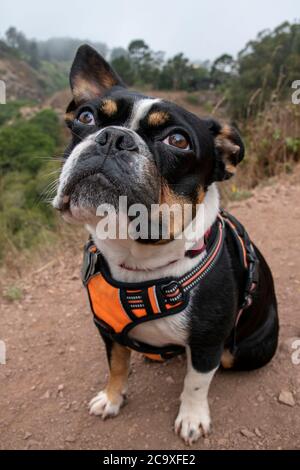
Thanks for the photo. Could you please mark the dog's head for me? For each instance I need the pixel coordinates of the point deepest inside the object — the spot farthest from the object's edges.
(128, 144)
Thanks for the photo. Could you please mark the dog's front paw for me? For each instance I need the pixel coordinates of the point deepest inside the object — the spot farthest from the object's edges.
(102, 406)
(192, 422)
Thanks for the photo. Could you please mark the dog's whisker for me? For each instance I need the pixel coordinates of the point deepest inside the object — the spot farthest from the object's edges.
(77, 135)
(49, 190)
(53, 172)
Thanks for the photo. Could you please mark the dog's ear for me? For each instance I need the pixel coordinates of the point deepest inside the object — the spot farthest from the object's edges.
(229, 149)
(91, 75)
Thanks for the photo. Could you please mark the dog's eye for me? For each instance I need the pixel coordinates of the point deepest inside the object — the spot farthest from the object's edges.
(86, 117)
(177, 140)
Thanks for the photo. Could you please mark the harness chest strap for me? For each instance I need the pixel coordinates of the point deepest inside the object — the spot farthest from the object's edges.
(118, 307)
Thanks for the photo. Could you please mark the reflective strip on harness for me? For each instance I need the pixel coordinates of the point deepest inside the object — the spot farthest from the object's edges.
(153, 299)
(241, 243)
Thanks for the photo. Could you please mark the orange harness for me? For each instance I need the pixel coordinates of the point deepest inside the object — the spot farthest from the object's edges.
(118, 307)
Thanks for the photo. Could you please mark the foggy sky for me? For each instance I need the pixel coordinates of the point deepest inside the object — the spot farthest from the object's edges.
(201, 29)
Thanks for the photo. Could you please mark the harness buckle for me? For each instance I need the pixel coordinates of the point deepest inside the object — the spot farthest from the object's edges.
(247, 302)
(89, 262)
(172, 292)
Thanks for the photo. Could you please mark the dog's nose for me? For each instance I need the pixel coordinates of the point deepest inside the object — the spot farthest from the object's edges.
(113, 139)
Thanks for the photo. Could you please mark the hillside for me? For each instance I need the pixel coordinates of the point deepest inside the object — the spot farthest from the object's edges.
(23, 82)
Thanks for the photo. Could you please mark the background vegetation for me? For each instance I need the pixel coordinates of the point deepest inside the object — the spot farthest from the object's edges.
(254, 89)
(26, 148)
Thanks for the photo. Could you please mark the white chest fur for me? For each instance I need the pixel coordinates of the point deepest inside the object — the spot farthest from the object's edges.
(163, 331)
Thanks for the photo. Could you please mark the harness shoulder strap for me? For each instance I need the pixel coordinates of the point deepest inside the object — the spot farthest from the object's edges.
(248, 257)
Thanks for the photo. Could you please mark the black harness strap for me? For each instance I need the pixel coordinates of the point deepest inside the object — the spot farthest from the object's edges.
(168, 296)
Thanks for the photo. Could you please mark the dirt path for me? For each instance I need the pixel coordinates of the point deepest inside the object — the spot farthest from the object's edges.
(56, 362)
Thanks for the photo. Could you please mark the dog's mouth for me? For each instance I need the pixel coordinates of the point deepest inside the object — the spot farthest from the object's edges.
(71, 193)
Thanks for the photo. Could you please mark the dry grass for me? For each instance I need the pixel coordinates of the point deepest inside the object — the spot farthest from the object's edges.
(272, 142)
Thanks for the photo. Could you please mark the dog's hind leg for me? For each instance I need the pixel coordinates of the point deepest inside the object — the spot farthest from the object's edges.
(257, 349)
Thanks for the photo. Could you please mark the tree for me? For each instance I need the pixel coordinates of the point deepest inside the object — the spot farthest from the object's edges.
(11, 37)
(16, 39)
(222, 69)
(145, 63)
(124, 68)
(118, 52)
(33, 53)
(176, 73)
(265, 69)
(137, 50)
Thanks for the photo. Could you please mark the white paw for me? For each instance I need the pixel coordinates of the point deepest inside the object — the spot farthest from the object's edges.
(100, 405)
(192, 422)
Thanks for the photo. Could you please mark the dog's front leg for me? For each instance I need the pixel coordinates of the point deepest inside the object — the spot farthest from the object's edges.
(193, 419)
(109, 401)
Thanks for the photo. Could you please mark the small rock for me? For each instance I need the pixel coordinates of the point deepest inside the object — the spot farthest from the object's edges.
(260, 398)
(287, 344)
(222, 442)
(70, 439)
(46, 395)
(170, 380)
(247, 433)
(27, 435)
(286, 398)
(60, 388)
(257, 432)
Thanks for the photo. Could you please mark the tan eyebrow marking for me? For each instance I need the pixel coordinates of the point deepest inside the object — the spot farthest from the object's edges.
(109, 107)
(157, 118)
(69, 116)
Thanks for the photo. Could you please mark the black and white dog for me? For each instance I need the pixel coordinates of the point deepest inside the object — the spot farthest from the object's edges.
(154, 152)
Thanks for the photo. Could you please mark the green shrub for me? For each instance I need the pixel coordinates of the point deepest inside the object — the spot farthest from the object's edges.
(192, 98)
(11, 110)
(26, 149)
(54, 76)
(13, 293)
